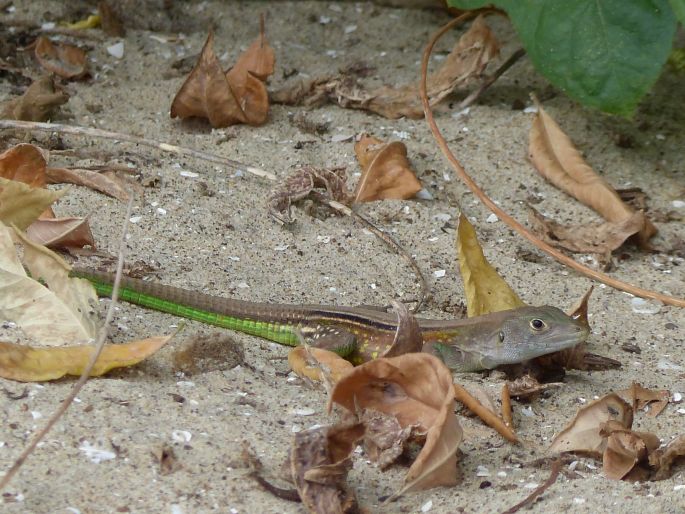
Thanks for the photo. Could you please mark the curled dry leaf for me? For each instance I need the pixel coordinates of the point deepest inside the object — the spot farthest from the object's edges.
(408, 337)
(329, 183)
(601, 238)
(556, 158)
(386, 171)
(464, 64)
(663, 459)
(583, 434)
(317, 363)
(38, 103)
(61, 233)
(650, 399)
(486, 291)
(417, 389)
(320, 460)
(30, 364)
(625, 451)
(67, 61)
(25, 163)
(236, 96)
(108, 183)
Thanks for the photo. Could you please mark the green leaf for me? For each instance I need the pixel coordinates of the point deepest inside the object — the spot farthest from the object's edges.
(678, 7)
(604, 53)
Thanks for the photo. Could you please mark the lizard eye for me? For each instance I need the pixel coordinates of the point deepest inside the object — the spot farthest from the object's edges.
(501, 337)
(537, 324)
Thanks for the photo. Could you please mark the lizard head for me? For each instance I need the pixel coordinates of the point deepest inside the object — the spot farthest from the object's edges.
(530, 332)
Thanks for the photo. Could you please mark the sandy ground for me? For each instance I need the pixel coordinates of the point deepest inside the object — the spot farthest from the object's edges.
(211, 233)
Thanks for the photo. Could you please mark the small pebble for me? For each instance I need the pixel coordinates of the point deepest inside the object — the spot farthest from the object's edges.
(678, 204)
(181, 436)
(304, 412)
(341, 138)
(492, 218)
(427, 506)
(189, 174)
(439, 273)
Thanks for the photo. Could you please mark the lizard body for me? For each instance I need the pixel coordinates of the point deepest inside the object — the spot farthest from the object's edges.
(359, 333)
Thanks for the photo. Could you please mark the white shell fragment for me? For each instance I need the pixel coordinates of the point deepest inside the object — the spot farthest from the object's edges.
(96, 455)
(116, 50)
(642, 306)
(181, 436)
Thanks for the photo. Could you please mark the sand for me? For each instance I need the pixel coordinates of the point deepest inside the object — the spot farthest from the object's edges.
(210, 231)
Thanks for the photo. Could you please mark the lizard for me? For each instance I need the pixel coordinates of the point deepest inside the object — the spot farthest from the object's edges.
(360, 334)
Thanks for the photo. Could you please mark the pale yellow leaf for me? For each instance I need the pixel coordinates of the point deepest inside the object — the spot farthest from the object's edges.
(30, 364)
(38, 311)
(21, 204)
(485, 290)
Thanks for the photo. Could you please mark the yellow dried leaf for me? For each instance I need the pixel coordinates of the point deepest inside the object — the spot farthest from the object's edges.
(21, 205)
(40, 312)
(30, 364)
(485, 290)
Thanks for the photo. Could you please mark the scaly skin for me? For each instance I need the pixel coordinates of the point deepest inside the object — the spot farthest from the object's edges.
(361, 334)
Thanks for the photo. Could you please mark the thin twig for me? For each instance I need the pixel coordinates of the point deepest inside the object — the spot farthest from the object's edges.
(485, 199)
(489, 418)
(165, 147)
(489, 81)
(205, 156)
(97, 349)
(554, 474)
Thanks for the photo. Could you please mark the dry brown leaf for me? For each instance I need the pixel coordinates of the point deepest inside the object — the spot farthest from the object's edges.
(408, 337)
(417, 389)
(386, 171)
(663, 459)
(583, 435)
(24, 163)
(67, 61)
(384, 438)
(626, 451)
(105, 182)
(485, 290)
(38, 102)
(601, 238)
(237, 96)
(654, 400)
(465, 63)
(206, 93)
(61, 233)
(29, 364)
(320, 460)
(307, 181)
(556, 158)
(326, 363)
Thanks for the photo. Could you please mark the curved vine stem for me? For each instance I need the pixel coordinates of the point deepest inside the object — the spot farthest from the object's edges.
(485, 199)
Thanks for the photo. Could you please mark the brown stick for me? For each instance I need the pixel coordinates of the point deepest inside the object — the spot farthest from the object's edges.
(506, 407)
(554, 474)
(489, 81)
(97, 349)
(485, 199)
(488, 417)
